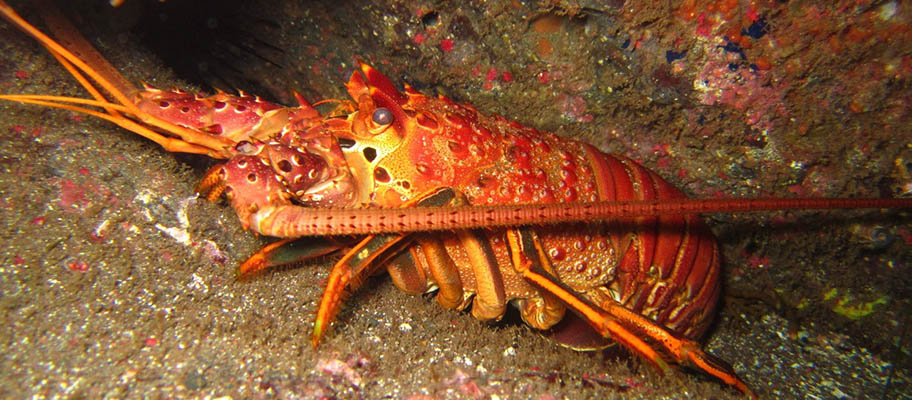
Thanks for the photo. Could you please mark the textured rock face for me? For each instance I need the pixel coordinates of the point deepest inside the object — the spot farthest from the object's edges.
(113, 270)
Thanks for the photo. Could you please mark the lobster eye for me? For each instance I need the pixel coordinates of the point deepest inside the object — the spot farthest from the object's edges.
(382, 116)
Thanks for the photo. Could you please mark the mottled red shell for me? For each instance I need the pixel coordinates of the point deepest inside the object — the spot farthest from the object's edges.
(298, 170)
(250, 184)
(222, 114)
(666, 268)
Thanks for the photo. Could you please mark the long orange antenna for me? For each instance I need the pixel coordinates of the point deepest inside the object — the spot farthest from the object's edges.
(10, 15)
(70, 39)
(296, 221)
(67, 103)
(117, 86)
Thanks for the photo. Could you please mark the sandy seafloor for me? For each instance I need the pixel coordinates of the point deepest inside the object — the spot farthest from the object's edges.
(117, 282)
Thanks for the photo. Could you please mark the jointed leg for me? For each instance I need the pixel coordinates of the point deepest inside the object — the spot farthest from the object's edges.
(288, 251)
(359, 262)
(350, 271)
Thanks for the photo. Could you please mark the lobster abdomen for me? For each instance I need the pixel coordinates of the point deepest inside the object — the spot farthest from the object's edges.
(670, 267)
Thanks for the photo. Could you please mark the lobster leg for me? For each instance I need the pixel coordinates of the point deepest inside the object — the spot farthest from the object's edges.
(406, 274)
(363, 259)
(612, 320)
(489, 300)
(350, 271)
(443, 271)
(288, 251)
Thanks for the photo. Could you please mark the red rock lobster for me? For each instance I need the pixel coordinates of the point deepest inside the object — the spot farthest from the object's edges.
(398, 161)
